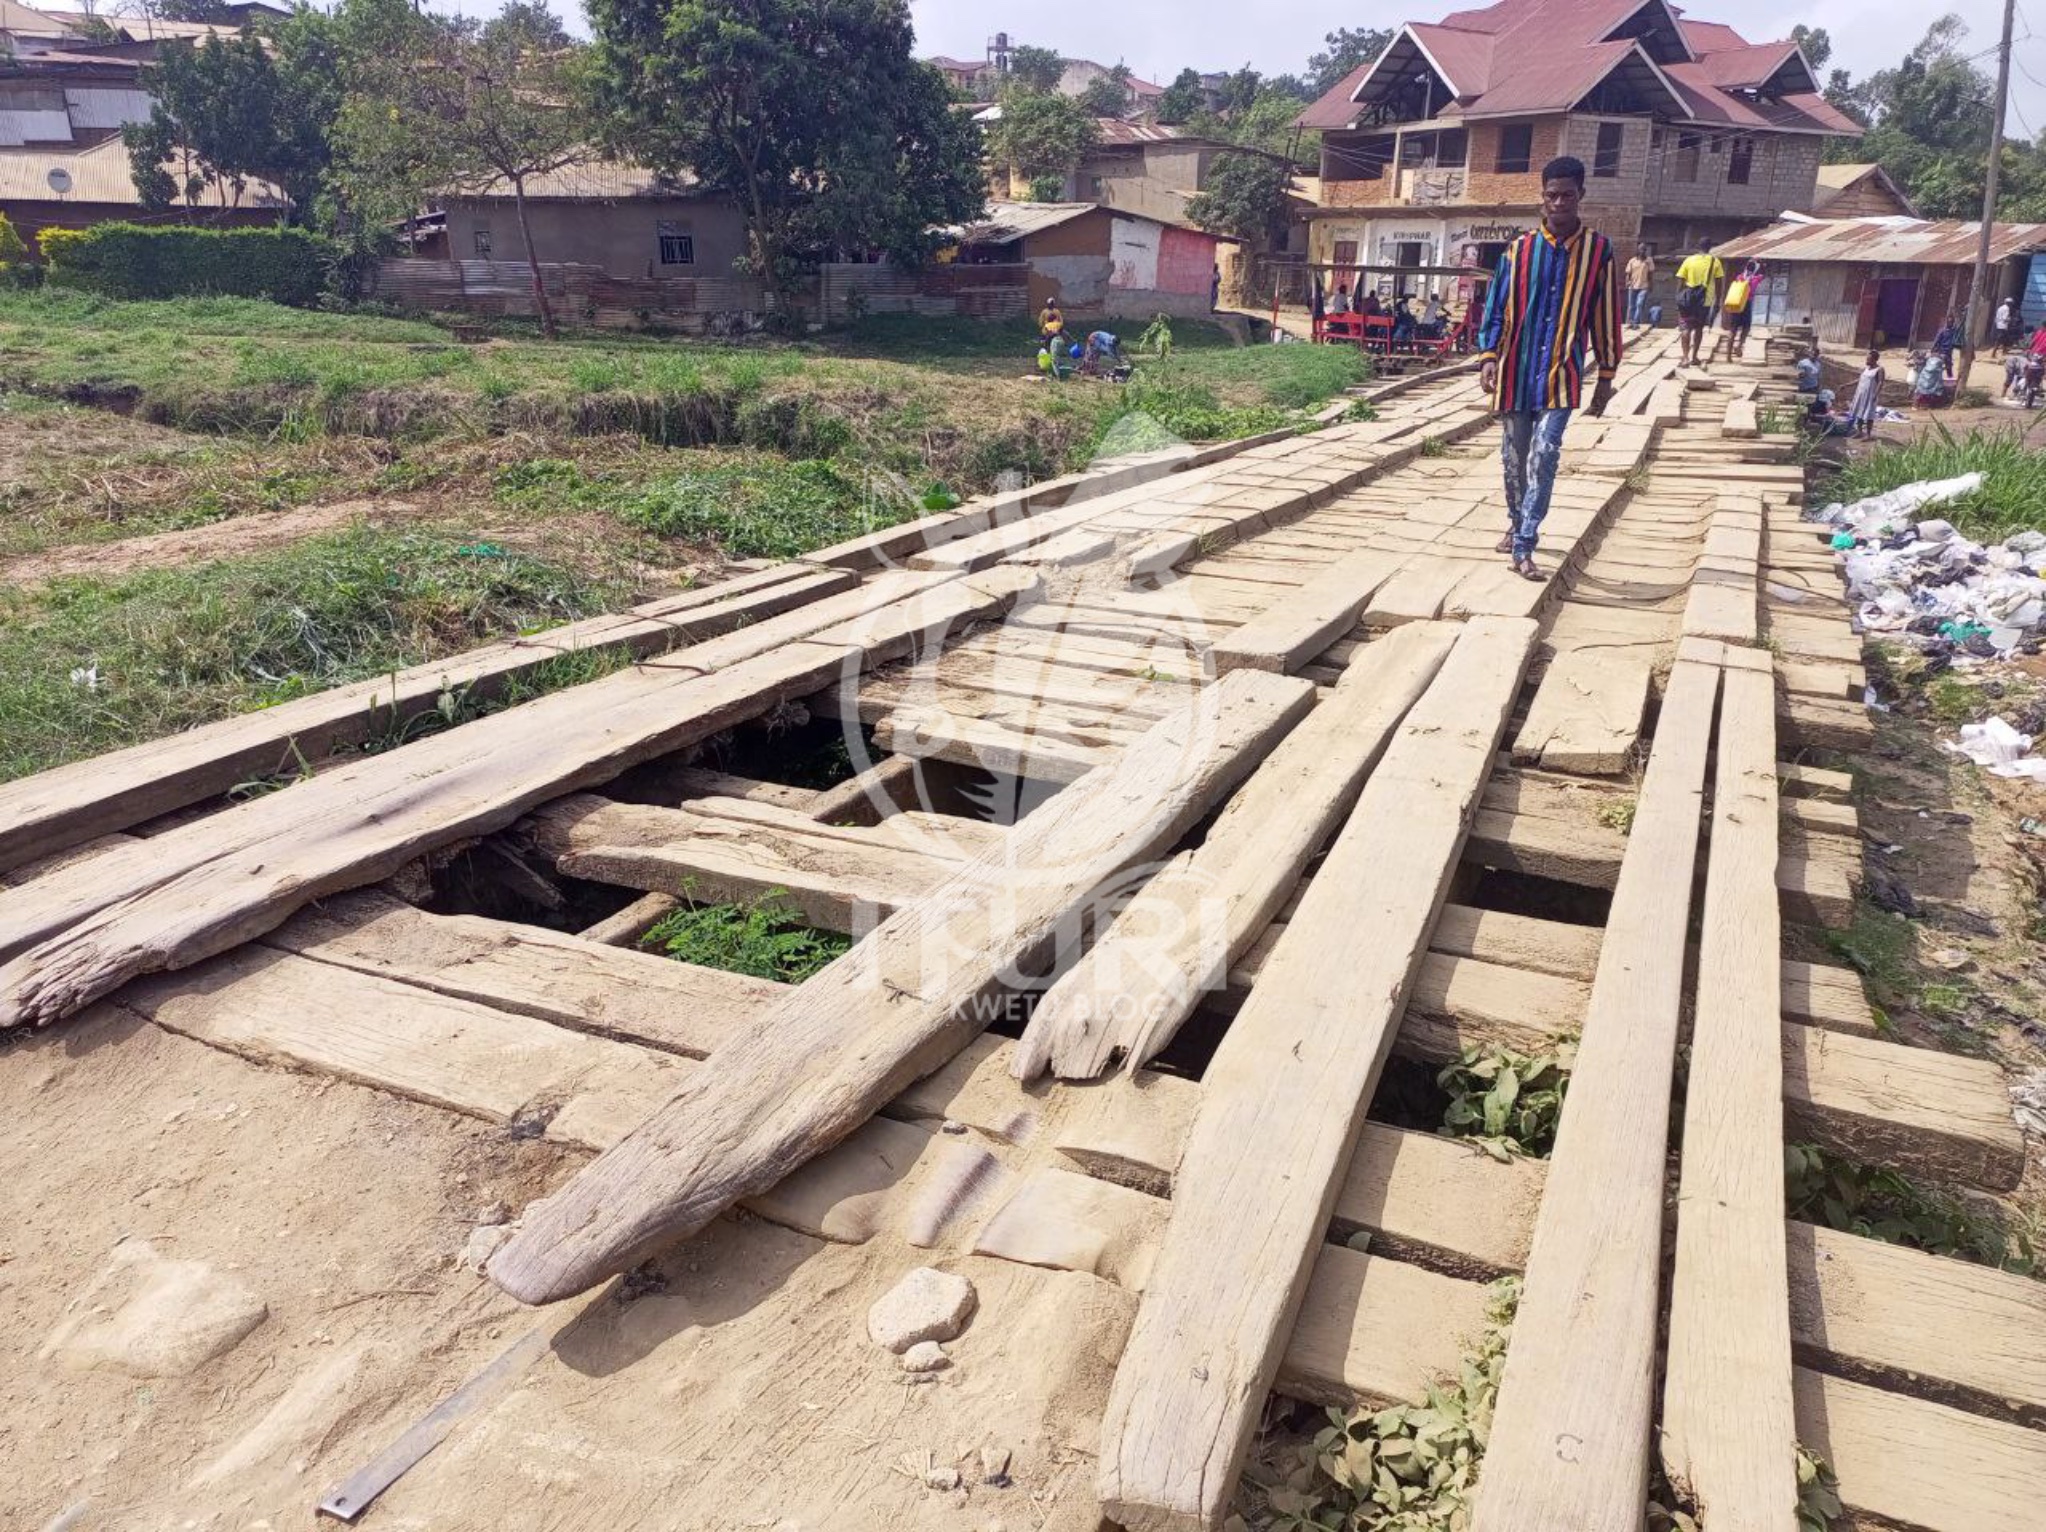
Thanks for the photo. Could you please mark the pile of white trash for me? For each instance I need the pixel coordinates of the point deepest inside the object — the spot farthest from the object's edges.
(1918, 579)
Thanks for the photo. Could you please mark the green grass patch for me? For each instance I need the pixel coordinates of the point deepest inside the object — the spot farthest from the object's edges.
(2013, 493)
(1289, 377)
(208, 316)
(768, 509)
(88, 665)
(766, 939)
(1507, 1103)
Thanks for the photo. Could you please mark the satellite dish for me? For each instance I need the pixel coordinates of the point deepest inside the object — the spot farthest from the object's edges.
(60, 181)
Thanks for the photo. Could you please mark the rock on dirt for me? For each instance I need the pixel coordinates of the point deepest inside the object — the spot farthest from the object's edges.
(925, 1356)
(482, 1245)
(926, 1305)
(152, 1317)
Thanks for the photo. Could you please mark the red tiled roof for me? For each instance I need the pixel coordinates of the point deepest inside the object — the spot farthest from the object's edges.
(1464, 57)
(1549, 81)
(1335, 109)
(1753, 65)
(1523, 57)
(1711, 37)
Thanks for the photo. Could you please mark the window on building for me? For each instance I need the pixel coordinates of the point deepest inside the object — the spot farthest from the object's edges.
(1453, 149)
(482, 237)
(1740, 161)
(677, 248)
(1684, 164)
(1516, 148)
(1605, 159)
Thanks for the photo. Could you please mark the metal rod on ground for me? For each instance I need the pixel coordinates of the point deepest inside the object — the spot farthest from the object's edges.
(1971, 329)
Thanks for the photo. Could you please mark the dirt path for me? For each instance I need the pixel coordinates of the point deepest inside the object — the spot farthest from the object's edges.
(216, 540)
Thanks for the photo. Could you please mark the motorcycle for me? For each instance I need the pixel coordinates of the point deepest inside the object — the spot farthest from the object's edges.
(2035, 375)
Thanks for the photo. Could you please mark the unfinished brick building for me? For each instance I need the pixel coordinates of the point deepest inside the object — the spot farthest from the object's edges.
(1431, 154)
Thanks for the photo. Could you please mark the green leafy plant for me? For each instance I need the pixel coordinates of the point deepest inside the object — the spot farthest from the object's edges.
(1818, 1500)
(126, 260)
(1876, 1203)
(765, 939)
(1434, 446)
(1507, 1102)
(1618, 814)
(1410, 1468)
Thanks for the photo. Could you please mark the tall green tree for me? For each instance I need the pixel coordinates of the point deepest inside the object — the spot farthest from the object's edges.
(811, 114)
(1038, 69)
(235, 110)
(1108, 95)
(1042, 137)
(1817, 46)
(1928, 122)
(1344, 49)
(1182, 99)
(1245, 198)
(462, 107)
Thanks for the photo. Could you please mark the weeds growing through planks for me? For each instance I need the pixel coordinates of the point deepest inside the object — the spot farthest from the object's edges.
(2013, 493)
(1875, 1203)
(765, 939)
(1507, 1103)
(1411, 1468)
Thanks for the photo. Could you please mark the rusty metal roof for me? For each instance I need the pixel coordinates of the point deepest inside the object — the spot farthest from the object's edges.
(1884, 241)
(99, 174)
(1016, 220)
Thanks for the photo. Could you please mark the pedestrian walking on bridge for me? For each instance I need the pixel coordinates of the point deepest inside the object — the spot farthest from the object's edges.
(1556, 289)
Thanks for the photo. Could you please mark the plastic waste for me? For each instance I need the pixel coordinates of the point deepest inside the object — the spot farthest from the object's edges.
(1999, 749)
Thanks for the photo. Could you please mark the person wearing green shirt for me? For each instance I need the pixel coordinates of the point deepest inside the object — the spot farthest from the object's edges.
(1699, 282)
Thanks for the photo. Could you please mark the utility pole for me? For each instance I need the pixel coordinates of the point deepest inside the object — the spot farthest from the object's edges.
(1975, 296)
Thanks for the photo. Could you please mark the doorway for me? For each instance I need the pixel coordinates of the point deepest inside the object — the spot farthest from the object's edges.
(1896, 303)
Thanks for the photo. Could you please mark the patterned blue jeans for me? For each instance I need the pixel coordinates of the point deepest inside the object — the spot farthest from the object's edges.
(1530, 446)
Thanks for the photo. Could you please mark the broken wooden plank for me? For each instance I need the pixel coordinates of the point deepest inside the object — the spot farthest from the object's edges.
(1581, 1365)
(901, 1002)
(207, 886)
(1283, 1103)
(1299, 626)
(60, 807)
(1586, 714)
(627, 926)
(1176, 939)
(1729, 1437)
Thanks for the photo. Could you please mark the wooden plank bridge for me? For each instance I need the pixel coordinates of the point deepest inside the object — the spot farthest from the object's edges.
(1259, 769)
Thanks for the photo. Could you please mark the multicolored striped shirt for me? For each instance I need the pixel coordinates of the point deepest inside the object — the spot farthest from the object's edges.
(1546, 297)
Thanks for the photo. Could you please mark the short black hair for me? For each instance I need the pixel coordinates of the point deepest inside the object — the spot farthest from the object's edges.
(1564, 167)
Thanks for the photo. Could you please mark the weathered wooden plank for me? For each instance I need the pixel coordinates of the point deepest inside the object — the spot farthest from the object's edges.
(58, 808)
(1581, 1366)
(1586, 714)
(1729, 1437)
(531, 971)
(902, 1001)
(1887, 1450)
(1175, 940)
(1919, 1323)
(627, 926)
(1298, 627)
(1935, 1114)
(201, 889)
(1283, 1103)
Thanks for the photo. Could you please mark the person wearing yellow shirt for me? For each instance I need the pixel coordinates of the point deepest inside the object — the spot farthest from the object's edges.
(1699, 282)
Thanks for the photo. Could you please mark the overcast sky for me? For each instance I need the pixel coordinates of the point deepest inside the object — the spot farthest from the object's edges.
(1158, 38)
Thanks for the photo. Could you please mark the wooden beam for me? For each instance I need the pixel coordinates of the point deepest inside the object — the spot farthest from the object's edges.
(58, 808)
(901, 1002)
(1176, 939)
(210, 885)
(1283, 1103)
(1729, 1437)
(1296, 628)
(1581, 1366)
(1586, 715)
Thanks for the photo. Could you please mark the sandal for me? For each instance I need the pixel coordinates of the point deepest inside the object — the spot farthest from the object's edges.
(1525, 568)
(1504, 545)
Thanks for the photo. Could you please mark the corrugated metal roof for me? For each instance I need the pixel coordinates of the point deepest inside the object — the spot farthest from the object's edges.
(99, 174)
(1336, 108)
(1018, 220)
(590, 181)
(1464, 57)
(1113, 131)
(30, 23)
(1751, 64)
(1884, 241)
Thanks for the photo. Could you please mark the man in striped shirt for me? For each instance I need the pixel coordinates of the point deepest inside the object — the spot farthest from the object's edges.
(1555, 288)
